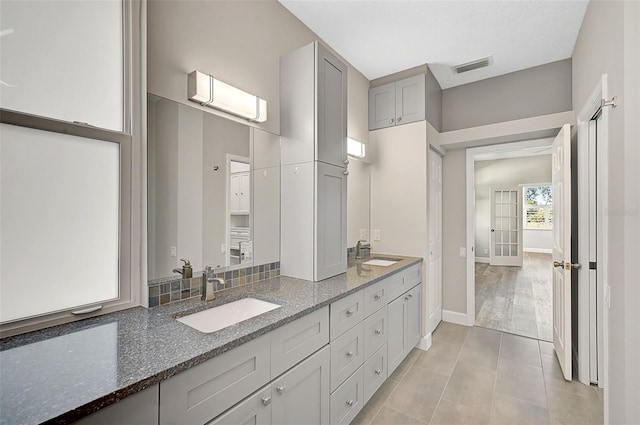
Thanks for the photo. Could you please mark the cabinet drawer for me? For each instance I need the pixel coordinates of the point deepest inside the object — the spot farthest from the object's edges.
(348, 399)
(346, 355)
(201, 393)
(396, 286)
(345, 313)
(413, 276)
(375, 372)
(375, 297)
(293, 342)
(375, 332)
(301, 396)
(255, 410)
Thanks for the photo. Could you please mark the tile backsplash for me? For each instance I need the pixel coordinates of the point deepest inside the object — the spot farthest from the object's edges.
(169, 290)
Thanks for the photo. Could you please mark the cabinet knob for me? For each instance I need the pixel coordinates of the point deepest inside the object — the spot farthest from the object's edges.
(266, 400)
(377, 296)
(410, 296)
(378, 331)
(391, 121)
(349, 312)
(349, 403)
(345, 172)
(399, 119)
(349, 353)
(406, 298)
(346, 161)
(378, 371)
(280, 389)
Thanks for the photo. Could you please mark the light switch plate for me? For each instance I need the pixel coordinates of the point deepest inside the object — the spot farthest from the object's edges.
(174, 251)
(463, 251)
(223, 248)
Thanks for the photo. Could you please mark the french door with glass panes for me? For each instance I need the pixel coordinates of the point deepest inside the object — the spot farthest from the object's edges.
(506, 226)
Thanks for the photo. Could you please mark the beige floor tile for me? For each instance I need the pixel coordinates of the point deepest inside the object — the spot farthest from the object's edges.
(418, 394)
(451, 333)
(470, 386)
(449, 413)
(508, 410)
(406, 364)
(390, 416)
(574, 387)
(546, 348)
(520, 349)
(375, 403)
(551, 367)
(481, 349)
(570, 409)
(521, 381)
(440, 358)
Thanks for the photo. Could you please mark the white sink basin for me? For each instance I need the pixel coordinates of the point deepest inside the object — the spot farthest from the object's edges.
(383, 263)
(216, 318)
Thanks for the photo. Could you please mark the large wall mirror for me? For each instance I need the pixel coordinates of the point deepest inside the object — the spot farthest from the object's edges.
(213, 191)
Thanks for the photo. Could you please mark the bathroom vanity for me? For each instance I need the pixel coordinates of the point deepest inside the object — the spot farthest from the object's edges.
(315, 359)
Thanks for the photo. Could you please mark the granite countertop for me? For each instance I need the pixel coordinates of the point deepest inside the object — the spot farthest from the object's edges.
(63, 373)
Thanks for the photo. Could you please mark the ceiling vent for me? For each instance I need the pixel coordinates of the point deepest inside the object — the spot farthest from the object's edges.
(470, 66)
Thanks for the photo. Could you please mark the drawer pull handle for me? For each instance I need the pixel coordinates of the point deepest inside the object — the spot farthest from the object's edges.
(349, 312)
(349, 403)
(349, 353)
(281, 389)
(266, 400)
(378, 331)
(378, 371)
(377, 296)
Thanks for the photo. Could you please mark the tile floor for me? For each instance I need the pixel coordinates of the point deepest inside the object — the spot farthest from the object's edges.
(473, 375)
(516, 299)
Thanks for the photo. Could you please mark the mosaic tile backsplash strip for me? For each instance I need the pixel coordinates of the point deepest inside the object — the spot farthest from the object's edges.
(165, 291)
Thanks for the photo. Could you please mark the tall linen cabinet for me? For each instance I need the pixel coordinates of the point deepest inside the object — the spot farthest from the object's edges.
(313, 127)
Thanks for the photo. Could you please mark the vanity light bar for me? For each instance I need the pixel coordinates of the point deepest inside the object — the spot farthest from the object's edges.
(208, 91)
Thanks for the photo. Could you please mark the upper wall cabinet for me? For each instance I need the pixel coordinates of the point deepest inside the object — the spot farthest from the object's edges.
(397, 103)
(313, 104)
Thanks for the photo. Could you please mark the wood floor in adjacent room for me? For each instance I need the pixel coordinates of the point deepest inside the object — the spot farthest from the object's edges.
(516, 299)
(476, 376)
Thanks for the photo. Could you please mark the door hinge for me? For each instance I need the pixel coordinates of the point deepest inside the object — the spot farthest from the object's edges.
(592, 265)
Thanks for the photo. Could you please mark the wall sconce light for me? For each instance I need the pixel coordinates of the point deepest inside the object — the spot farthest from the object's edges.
(355, 148)
(208, 91)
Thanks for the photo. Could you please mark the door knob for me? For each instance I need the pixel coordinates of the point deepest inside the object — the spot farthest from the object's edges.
(558, 264)
(493, 230)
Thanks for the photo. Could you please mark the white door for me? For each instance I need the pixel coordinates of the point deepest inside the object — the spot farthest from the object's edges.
(435, 241)
(561, 179)
(506, 226)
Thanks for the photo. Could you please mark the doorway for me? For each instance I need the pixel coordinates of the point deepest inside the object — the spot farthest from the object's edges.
(513, 224)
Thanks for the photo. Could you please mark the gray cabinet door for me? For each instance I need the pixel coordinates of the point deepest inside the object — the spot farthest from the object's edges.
(396, 313)
(138, 409)
(332, 108)
(410, 100)
(255, 410)
(382, 106)
(331, 221)
(414, 317)
(301, 396)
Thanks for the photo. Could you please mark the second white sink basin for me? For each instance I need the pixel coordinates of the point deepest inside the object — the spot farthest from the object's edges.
(220, 317)
(377, 262)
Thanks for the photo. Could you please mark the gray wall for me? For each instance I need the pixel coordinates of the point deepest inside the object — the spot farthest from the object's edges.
(609, 42)
(454, 231)
(532, 92)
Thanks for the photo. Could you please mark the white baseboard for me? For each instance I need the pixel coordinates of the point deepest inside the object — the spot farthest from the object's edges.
(539, 250)
(482, 260)
(454, 317)
(425, 343)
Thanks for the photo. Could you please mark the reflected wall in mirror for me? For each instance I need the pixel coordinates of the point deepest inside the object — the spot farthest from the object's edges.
(358, 196)
(197, 162)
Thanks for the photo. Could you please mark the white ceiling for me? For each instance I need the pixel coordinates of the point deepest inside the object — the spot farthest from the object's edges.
(380, 37)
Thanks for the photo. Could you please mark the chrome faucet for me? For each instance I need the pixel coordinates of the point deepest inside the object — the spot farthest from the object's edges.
(186, 271)
(209, 285)
(360, 246)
